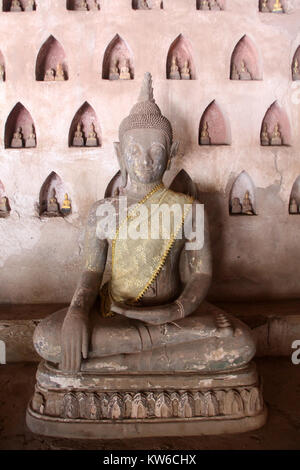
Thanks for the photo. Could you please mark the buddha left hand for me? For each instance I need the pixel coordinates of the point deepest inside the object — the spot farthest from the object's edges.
(152, 315)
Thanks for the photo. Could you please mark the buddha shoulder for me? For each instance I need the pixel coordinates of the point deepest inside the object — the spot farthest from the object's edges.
(101, 208)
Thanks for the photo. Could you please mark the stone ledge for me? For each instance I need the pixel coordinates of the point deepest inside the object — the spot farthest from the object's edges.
(275, 325)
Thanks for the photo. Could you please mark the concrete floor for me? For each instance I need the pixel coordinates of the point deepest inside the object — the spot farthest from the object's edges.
(282, 431)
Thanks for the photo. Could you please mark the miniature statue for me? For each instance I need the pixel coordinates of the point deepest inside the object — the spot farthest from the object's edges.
(78, 140)
(49, 75)
(244, 72)
(236, 206)
(17, 140)
(264, 137)
(276, 136)
(214, 5)
(156, 339)
(80, 5)
(296, 71)
(2, 73)
(204, 137)
(52, 205)
(247, 207)
(234, 73)
(60, 74)
(277, 8)
(264, 6)
(204, 5)
(92, 140)
(30, 142)
(4, 206)
(143, 5)
(30, 5)
(185, 71)
(114, 71)
(15, 6)
(293, 207)
(66, 206)
(174, 72)
(124, 70)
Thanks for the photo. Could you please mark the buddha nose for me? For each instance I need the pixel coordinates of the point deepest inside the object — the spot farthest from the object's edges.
(147, 159)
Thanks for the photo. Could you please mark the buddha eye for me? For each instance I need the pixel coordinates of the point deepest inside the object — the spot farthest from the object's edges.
(134, 150)
(157, 151)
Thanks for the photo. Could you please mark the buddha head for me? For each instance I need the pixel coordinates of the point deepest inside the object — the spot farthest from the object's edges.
(146, 144)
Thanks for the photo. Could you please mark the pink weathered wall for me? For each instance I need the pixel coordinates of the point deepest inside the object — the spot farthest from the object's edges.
(254, 256)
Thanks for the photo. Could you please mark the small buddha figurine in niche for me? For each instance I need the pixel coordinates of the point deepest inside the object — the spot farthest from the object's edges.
(30, 142)
(30, 5)
(247, 207)
(49, 75)
(4, 206)
(244, 72)
(236, 206)
(66, 206)
(17, 140)
(296, 71)
(204, 5)
(60, 74)
(92, 140)
(80, 5)
(114, 71)
(214, 5)
(235, 73)
(185, 71)
(124, 70)
(277, 7)
(293, 209)
(264, 6)
(78, 140)
(174, 71)
(2, 73)
(276, 136)
(52, 205)
(143, 5)
(15, 6)
(264, 137)
(204, 137)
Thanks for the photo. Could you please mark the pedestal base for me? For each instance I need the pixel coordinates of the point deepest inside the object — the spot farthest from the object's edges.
(114, 406)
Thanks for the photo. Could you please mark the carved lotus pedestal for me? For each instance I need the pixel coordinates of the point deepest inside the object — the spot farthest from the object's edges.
(110, 406)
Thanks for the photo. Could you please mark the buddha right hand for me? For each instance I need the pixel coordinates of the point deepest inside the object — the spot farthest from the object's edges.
(74, 340)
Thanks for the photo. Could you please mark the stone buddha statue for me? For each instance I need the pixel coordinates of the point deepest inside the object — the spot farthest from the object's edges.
(264, 136)
(66, 206)
(276, 136)
(125, 70)
(60, 74)
(174, 71)
(80, 5)
(247, 208)
(52, 205)
(264, 6)
(78, 140)
(204, 136)
(114, 71)
(30, 141)
(277, 7)
(2, 73)
(293, 208)
(204, 5)
(296, 70)
(49, 75)
(244, 72)
(15, 5)
(4, 207)
(17, 140)
(214, 5)
(185, 71)
(143, 5)
(30, 5)
(236, 206)
(152, 339)
(92, 140)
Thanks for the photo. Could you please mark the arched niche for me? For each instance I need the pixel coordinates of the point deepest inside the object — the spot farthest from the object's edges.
(117, 56)
(2, 68)
(85, 130)
(210, 5)
(180, 56)
(214, 126)
(83, 5)
(4, 203)
(183, 183)
(294, 203)
(275, 129)
(147, 4)
(19, 129)
(52, 197)
(242, 199)
(113, 187)
(296, 65)
(51, 57)
(246, 63)
(272, 6)
(19, 5)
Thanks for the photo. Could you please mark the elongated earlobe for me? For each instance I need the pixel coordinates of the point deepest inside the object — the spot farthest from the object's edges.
(124, 174)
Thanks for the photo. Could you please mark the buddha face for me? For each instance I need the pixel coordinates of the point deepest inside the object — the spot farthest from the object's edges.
(145, 154)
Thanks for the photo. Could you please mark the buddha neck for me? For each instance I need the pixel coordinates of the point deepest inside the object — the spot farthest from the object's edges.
(137, 190)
